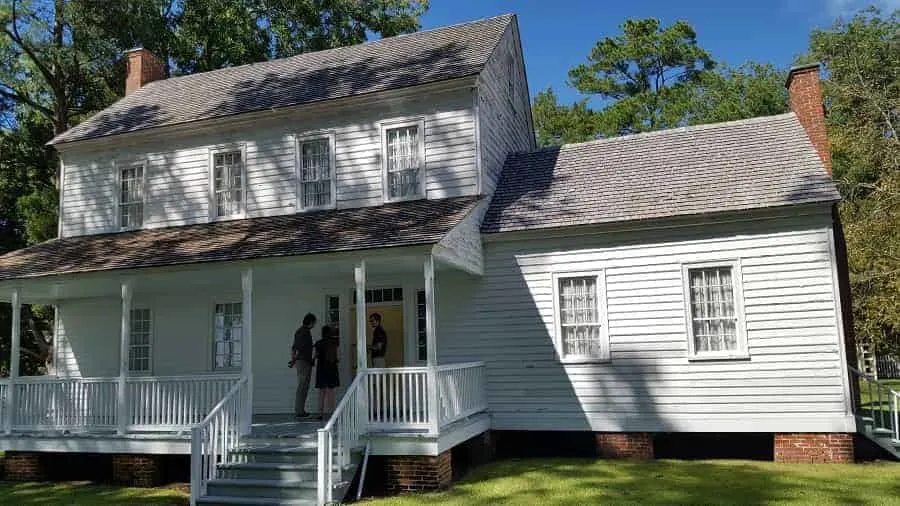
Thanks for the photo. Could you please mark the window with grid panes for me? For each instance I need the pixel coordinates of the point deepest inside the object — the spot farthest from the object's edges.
(580, 328)
(382, 295)
(714, 318)
(140, 347)
(316, 173)
(333, 313)
(404, 164)
(228, 183)
(421, 332)
(131, 197)
(228, 333)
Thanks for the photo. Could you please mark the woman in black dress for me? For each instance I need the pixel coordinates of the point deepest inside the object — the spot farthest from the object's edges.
(327, 374)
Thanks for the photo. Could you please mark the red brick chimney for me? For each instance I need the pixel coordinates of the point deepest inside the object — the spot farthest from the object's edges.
(143, 67)
(805, 93)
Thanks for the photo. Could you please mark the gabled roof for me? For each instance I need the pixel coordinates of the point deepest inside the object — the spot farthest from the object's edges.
(408, 223)
(748, 164)
(390, 63)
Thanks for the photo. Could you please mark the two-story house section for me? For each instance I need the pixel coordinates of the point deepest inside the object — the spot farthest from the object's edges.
(393, 120)
(688, 280)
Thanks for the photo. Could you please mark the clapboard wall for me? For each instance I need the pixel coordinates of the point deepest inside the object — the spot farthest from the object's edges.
(177, 170)
(793, 380)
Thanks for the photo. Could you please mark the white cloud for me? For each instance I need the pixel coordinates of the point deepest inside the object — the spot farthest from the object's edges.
(846, 7)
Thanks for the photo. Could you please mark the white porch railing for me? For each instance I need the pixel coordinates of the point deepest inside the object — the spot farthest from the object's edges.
(64, 403)
(879, 402)
(174, 402)
(216, 437)
(170, 403)
(461, 390)
(398, 397)
(339, 437)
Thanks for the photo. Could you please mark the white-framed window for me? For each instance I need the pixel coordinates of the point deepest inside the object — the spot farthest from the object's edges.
(315, 171)
(404, 160)
(140, 344)
(714, 310)
(131, 196)
(333, 313)
(228, 335)
(579, 301)
(228, 183)
(421, 327)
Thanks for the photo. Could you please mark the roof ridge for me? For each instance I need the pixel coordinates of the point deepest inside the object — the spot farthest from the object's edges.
(656, 133)
(329, 50)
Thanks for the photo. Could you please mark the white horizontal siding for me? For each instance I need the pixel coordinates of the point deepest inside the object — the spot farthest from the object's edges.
(177, 170)
(503, 121)
(506, 318)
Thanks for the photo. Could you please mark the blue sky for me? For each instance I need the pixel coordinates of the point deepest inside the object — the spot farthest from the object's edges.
(559, 34)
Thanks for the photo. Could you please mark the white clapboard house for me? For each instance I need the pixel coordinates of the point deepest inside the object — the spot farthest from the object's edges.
(686, 280)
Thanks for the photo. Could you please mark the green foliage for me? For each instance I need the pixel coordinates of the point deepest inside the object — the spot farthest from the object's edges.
(652, 77)
(559, 124)
(645, 75)
(862, 57)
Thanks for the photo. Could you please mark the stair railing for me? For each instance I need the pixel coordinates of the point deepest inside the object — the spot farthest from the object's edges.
(214, 439)
(883, 406)
(340, 436)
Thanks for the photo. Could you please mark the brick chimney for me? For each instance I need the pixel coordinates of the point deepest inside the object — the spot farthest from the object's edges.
(143, 67)
(805, 94)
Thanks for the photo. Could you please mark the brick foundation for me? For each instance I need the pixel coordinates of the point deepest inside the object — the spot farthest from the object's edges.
(624, 445)
(137, 470)
(23, 466)
(813, 448)
(417, 473)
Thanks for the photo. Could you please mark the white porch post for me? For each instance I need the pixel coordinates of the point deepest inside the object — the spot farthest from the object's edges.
(124, 340)
(359, 276)
(247, 343)
(16, 304)
(431, 349)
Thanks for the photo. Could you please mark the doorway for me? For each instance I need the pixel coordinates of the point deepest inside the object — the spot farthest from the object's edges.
(391, 320)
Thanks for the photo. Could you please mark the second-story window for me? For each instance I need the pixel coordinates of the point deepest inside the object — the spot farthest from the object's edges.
(228, 183)
(316, 165)
(131, 197)
(404, 158)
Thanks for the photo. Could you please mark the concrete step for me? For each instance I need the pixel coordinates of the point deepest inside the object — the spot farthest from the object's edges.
(254, 501)
(269, 489)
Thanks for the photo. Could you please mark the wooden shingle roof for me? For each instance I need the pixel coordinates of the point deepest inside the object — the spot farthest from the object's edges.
(732, 166)
(410, 223)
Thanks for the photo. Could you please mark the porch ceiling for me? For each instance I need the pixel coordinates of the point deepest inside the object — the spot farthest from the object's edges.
(399, 224)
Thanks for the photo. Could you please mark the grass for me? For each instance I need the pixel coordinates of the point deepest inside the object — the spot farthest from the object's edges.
(549, 482)
(85, 493)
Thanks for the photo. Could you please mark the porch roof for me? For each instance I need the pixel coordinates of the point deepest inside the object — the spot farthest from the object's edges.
(398, 224)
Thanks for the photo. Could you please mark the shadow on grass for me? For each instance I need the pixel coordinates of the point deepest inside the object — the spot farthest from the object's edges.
(86, 493)
(588, 481)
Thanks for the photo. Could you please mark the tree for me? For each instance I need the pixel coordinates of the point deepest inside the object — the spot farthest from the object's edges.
(862, 59)
(645, 76)
(654, 77)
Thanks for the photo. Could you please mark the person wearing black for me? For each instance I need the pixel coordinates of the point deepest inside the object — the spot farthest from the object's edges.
(328, 377)
(302, 359)
(378, 349)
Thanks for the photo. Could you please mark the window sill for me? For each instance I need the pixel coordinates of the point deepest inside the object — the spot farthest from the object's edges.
(585, 360)
(707, 358)
(403, 199)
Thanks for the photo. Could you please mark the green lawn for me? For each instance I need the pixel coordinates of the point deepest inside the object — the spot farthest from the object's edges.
(82, 493)
(547, 482)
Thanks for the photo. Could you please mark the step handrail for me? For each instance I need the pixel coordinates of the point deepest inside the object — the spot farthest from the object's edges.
(888, 419)
(217, 436)
(339, 437)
